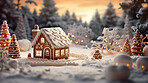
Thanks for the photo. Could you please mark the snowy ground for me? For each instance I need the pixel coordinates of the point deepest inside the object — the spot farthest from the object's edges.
(88, 71)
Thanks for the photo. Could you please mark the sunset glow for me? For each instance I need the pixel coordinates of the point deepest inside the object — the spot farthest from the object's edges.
(83, 8)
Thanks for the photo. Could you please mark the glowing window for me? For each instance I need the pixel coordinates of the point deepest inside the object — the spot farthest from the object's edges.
(57, 53)
(142, 67)
(38, 53)
(47, 52)
(127, 65)
(117, 64)
(42, 40)
(4, 44)
(62, 52)
(67, 51)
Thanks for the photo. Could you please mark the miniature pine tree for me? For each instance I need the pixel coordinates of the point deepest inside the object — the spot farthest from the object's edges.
(5, 37)
(14, 51)
(137, 46)
(127, 48)
(20, 29)
(127, 28)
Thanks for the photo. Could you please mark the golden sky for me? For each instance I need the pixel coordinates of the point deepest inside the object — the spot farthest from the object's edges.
(83, 8)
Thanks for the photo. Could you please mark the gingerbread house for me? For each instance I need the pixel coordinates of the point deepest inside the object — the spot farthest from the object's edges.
(50, 43)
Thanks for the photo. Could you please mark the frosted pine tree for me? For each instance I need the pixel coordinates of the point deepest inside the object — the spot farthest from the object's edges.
(95, 24)
(121, 21)
(48, 15)
(66, 17)
(73, 19)
(27, 27)
(127, 28)
(66, 20)
(5, 38)
(127, 48)
(110, 18)
(14, 51)
(35, 16)
(25, 10)
(85, 24)
(20, 30)
(8, 12)
(80, 22)
(131, 8)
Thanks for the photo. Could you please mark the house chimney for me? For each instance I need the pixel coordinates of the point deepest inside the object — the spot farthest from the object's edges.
(35, 31)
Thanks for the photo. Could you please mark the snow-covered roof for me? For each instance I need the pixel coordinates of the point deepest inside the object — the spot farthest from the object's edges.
(55, 36)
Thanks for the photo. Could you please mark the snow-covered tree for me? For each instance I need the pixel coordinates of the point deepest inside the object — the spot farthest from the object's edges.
(85, 24)
(95, 24)
(131, 8)
(26, 11)
(127, 28)
(79, 34)
(27, 27)
(110, 18)
(137, 14)
(143, 20)
(111, 40)
(8, 12)
(48, 15)
(66, 17)
(79, 22)
(20, 30)
(73, 19)
(35, 16)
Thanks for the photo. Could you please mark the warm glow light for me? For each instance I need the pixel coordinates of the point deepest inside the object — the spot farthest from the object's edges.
(127, 65)
(76, 42)
(81, 40)
(117, 64)
(85, 35)
(71, 41)
(72, 36)
(142, 67)
(68, 34)
(4, 44)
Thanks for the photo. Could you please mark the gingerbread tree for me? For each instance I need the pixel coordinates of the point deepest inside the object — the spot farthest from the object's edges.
(5, 38)
(137, 46)
(127, 48)
(14, 51)
(97, 55)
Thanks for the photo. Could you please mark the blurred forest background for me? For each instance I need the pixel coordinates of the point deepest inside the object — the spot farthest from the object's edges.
(21, 19)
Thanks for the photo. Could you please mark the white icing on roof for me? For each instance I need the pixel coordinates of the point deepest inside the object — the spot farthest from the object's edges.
(55, 36)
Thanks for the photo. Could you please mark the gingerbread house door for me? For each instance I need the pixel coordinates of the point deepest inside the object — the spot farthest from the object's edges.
(47, 53)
